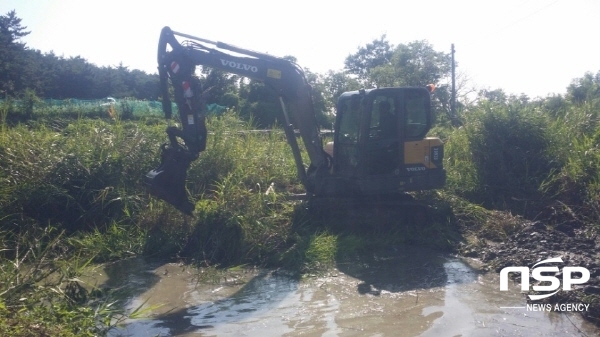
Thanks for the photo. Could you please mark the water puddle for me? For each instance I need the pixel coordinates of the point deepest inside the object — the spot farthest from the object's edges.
(405, 292)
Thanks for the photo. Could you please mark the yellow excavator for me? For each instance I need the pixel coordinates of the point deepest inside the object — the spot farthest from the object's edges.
(380, 145)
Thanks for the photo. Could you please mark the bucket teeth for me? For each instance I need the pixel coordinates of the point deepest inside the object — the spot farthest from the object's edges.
(167, 181)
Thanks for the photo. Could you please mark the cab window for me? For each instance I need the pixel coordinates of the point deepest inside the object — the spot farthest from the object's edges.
(348, 136)
(384, 121)
(416, 107)
(350, 121)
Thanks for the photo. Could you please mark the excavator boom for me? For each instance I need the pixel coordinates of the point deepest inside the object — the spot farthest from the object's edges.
(176, 66)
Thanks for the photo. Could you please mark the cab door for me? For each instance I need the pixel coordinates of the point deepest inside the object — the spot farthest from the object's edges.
(383, 150)
(348, 135)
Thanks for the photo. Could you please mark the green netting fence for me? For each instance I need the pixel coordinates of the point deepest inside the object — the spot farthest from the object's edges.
(137, 108)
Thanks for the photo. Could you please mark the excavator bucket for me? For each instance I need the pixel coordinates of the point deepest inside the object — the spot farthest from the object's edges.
(167, 181)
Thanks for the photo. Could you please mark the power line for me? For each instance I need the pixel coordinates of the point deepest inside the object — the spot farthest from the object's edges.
(518, 20)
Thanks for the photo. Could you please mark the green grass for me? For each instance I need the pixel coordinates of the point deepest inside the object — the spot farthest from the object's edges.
(72, 193)
(82, 177)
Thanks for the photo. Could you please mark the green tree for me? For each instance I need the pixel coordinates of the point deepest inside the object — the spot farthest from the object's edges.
(585, 89)
(380, 64)
(76, 77)
(223, 86)
(47, 75)
(322, 105)
(12, 64)
(555, 104)
(493, 96)
(338, 82)
(375, 54)
(143, 85)
(34, 74)
(418, 64)
(108, 81)
(261, 102)
(413, 64)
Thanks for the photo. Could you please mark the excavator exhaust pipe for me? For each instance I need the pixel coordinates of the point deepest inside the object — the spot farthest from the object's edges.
(167, 181)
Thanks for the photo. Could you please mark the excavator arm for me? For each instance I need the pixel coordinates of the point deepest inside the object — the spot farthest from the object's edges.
(176, 67)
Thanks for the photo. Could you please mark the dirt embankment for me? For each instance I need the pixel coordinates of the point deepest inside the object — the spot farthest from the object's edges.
(531, 242)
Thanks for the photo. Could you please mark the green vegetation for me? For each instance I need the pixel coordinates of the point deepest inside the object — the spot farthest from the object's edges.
(72, 193)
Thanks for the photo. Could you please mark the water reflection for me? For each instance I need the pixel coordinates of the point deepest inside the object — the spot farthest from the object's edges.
(254, 301)
(406, 292)
(399, 269)
(454, 317)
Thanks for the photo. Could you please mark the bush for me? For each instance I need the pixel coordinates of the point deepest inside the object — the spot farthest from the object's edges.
(500, 157)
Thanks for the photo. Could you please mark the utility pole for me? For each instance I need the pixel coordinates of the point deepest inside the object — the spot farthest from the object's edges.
(453, 97)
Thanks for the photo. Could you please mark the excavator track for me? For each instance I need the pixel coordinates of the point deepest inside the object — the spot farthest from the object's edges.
(375, 211)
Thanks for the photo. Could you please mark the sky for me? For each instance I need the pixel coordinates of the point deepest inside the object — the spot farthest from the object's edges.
(535, 47)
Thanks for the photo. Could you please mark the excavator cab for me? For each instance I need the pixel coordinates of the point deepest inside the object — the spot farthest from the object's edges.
(381, 145)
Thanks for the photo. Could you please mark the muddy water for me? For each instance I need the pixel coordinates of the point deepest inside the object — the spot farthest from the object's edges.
(404, 292)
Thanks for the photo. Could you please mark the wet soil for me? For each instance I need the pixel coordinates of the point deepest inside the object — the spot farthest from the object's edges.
(399, 291)
(534, 241)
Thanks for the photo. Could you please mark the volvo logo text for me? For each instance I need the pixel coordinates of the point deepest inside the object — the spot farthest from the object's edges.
(240, 66)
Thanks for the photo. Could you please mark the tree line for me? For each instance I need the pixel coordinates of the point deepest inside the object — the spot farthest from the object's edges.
(58, 77)
(376, 64)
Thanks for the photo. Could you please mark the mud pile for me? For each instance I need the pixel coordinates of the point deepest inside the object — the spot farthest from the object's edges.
(532, 242)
